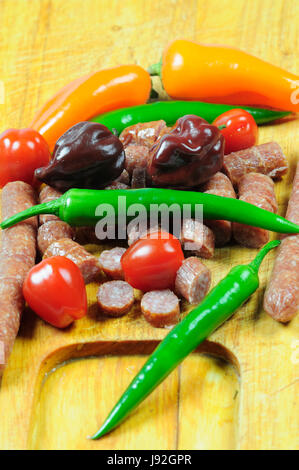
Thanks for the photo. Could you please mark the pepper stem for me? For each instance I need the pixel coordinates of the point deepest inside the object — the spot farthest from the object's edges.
(255, 264)
(155, 69)
(51, 207)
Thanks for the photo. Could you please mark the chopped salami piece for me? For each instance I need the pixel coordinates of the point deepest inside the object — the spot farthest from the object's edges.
(267, 159)
(87, 263)
(258, 190)
(136, 157)
(281, 299)
(110, 262)
(16, 197)
(115, 298)
(160, 308)
(220, 185)
(17, 257)
(197, 239)
(48, 194)
(193, 280)
(146, 133)
(51, 232)
(138, 178)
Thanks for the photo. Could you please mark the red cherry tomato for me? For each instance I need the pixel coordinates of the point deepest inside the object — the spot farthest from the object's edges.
(21, 152)
(55, 290)
(152, 262)
(240, 131)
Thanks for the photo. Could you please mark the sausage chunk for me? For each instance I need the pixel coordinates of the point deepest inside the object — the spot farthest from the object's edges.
(146, 133)
(48, 194)
(160, 307)
(193, 280)
(110, 262)
(197, 239)
(51, 232)
(87, 263)
(267, 159)
(115, 298)
(220, 185)
(258, 190)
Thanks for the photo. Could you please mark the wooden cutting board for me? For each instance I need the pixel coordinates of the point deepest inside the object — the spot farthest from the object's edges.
(239, 391)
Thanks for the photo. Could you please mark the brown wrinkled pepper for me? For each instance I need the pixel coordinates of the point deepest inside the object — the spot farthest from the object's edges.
(87, 156)
(188, 155)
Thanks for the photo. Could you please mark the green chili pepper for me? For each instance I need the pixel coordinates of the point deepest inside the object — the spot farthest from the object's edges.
(79, 207)
(216, 308)
(171, 111)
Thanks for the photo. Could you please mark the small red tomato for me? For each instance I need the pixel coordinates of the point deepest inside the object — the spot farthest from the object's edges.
(240, 131)
(152, 262)
(21, 152)
(55, 290)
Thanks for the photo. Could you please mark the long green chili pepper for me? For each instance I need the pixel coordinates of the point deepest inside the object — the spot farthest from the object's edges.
(79, 207)
(216, 308)
(171, 111)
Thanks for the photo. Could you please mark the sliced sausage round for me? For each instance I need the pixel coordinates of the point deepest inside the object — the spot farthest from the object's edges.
(160, 307)
(110, 262)
(115, 298)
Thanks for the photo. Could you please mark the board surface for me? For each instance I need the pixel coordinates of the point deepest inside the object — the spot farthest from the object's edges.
(59, 386)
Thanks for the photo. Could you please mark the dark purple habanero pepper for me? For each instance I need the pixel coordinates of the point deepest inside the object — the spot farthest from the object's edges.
(86, 156)
(188, 155)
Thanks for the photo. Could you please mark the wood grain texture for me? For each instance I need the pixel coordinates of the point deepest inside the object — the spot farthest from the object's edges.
(43, 45)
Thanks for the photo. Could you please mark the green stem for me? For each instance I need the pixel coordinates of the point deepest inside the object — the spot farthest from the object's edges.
(155, 69)
(255, 264)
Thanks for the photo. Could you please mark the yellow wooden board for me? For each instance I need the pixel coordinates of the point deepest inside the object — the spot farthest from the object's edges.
(59, 386)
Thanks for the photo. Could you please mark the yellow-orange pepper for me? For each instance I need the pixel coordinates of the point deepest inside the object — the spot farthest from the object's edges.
(88, 96)
(226, 75)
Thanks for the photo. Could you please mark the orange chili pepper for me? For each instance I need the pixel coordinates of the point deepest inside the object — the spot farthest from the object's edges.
(85, 97)
(220, 74)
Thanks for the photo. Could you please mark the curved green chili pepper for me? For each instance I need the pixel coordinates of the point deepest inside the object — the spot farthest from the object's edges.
(171, 111)
(78, 207)
(216, 308)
